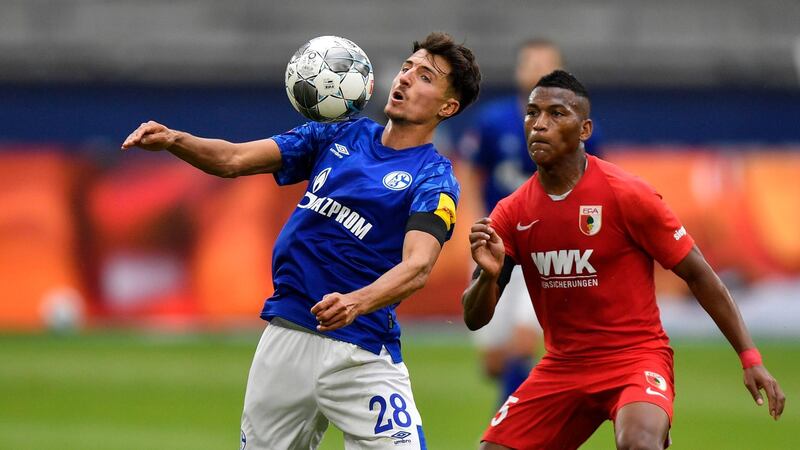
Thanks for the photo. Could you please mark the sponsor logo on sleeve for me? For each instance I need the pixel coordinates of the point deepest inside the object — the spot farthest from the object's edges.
(679, 233)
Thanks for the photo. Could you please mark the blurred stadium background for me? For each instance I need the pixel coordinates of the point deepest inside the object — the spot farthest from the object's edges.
(130, 283)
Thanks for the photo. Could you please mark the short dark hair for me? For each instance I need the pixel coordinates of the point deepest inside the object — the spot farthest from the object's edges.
(465, 76)
(564, 80)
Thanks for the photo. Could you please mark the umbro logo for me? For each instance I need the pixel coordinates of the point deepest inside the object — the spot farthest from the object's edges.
(339, 150)
(402, 438)
(521, 227)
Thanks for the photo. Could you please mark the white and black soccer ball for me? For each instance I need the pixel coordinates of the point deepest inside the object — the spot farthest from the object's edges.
(329, 79)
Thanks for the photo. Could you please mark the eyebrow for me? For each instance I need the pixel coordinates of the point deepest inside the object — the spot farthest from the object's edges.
(551, 105)
(435, 72)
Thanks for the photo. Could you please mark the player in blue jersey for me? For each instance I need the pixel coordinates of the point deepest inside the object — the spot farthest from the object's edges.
(498, 156)
(379, 205)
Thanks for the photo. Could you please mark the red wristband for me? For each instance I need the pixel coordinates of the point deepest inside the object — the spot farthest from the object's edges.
(750, 357)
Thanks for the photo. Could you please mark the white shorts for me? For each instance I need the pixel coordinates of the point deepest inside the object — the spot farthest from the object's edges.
(300, 380)
(514, 309)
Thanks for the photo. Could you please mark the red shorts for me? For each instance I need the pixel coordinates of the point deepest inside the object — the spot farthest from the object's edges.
(563, 402)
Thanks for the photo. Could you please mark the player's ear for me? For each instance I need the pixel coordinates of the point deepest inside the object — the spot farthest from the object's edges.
(586, 129)
(449, 108)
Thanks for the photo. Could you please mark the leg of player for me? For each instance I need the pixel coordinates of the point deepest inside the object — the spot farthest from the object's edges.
(280, 410)
(521, 356)
(641, 426)
(369, 398)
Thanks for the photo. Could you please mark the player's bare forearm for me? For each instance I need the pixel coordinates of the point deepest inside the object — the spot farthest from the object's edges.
(226, 159)
(479, 300)
(714, 297)
(395, 285)
(214, 156)
(420, 251)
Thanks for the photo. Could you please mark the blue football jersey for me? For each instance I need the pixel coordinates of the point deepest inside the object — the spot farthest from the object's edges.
(348, 228)
(497, 145)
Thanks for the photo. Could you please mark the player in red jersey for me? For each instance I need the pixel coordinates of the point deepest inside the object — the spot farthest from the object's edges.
(586, 234)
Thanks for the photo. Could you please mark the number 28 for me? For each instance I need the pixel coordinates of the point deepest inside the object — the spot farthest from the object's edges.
(401, 416)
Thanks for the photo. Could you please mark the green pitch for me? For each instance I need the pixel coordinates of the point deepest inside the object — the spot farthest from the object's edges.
(115, 392)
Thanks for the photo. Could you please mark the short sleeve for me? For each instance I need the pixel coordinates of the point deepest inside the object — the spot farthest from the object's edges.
(502, 223)
(300, 148)
(437, 191)
(654, 227)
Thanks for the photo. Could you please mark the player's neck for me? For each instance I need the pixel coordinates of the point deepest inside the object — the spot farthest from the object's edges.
(400, 135)
(562, 176)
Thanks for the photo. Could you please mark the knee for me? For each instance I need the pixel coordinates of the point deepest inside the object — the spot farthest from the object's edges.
(639, 440)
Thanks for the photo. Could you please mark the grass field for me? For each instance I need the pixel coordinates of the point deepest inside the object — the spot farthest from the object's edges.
(134, 392)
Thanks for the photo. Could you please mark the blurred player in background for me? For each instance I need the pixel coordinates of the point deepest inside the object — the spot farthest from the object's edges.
(495, 148)
(379, 206)
(586, 234)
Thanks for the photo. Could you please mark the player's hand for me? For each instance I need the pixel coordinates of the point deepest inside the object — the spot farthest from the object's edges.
(757, 378)
(335, 311)
(150, 136)
(486, 246)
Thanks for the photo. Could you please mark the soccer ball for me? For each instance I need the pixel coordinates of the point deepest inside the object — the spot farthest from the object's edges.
(329, 79)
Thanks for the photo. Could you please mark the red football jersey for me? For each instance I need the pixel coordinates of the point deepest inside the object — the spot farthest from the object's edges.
(588, 259)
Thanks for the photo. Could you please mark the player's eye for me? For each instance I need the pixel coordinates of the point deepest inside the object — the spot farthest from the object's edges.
(426, 78)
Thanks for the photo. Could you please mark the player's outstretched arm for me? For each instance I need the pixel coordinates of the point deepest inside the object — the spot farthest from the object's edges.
(480, 298)
(714, 297)
(420, 251)
(214, 156)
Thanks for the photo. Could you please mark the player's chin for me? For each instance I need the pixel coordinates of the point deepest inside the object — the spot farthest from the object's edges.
(540, 157)
(393, 112)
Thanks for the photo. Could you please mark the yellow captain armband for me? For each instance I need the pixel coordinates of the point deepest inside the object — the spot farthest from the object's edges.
(446, 210)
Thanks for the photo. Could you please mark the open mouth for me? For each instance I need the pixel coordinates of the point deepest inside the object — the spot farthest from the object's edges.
(397, 95)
